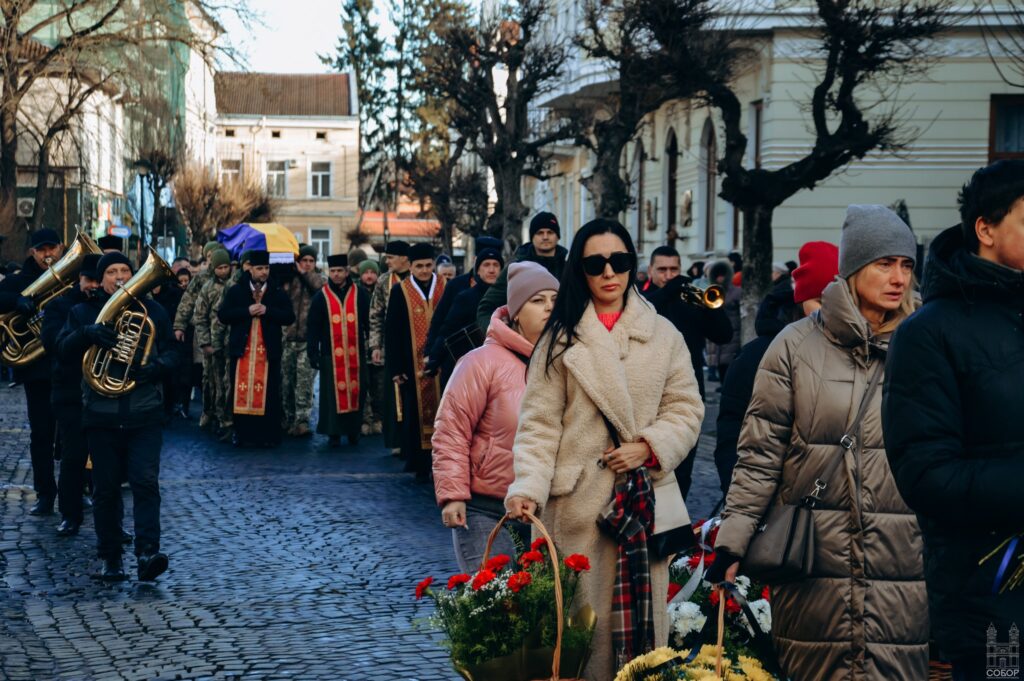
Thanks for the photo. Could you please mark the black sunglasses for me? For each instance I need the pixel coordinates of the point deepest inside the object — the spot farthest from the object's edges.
(621, 262)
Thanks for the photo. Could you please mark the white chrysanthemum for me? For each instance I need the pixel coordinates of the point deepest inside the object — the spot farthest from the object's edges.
(743, 585)
(762, 610)
(686, 618)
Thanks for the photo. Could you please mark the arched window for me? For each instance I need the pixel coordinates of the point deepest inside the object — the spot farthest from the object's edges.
(672, 185)
(636, 192)
(709, 181)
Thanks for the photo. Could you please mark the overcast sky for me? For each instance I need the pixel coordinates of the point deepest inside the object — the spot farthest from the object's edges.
(294, 32)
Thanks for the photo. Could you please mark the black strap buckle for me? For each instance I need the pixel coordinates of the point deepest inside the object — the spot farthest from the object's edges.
(848, 442)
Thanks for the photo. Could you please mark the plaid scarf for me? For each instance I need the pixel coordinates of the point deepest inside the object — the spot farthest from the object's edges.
(629, 520)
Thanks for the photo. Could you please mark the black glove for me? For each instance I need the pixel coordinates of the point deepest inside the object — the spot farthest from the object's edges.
(25, 306)
(314, 362)
(675, 285)
(149, 372)
(723, 561)
(101, 335)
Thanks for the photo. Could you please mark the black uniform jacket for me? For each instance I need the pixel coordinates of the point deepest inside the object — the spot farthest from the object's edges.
(234, 311)
(10, 290)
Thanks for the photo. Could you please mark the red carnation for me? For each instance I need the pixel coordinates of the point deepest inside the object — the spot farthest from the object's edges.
(457, 580)
(713, 597)
(482, 578)
(577, 562)
(732, 607)
(766, 594)
(421, 588)
(693, 561)
(539, 544)
(531, 557)
(673, 589)
(498, 562)
(518, 580)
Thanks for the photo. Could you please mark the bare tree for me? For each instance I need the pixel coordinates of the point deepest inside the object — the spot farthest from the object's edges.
(206, 204)
(491, 72)
(860, 48)
(1005, 41)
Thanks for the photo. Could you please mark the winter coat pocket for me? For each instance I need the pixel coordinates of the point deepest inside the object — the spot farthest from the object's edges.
(565, 479)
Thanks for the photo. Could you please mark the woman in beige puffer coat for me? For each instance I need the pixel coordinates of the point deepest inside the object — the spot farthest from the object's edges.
(862, 614)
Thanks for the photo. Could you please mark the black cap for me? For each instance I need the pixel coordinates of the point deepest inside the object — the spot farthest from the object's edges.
(257, 258)
(398, 247)
(340, 260)
(545, 220)
(89, 263)
(112, 258)
(484, 242)
(45, 237)
(107, 242)
(421, 251)
(489, 254)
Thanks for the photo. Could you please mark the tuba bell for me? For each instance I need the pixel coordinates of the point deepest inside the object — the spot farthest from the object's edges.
(109, 371)
(19, 334)
(712, 297)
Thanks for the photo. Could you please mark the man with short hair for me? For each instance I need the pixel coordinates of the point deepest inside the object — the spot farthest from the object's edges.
(952, 420)
(296, 373)
(256, 310)
(543, 249)
(369, 273)
(211, 336)
(408, 321)
(396, 259)
(124, 433)
(339, 319)
(45, 251)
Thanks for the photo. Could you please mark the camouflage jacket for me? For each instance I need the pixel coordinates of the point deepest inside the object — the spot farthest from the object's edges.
(187, 306)
(210, 330)
(379, 309)
(301, 290)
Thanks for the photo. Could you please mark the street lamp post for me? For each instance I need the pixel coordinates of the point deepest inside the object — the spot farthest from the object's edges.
(142, 168)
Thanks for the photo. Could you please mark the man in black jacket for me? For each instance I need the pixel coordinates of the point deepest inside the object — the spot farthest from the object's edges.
(66, 398)
(952, 418)
(46, 250)
(123, 433)
(256, 310)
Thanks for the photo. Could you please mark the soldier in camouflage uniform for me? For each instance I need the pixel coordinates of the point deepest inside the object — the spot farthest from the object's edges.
(183, 319)
(396, 256)
(211, 334)
(297, 376)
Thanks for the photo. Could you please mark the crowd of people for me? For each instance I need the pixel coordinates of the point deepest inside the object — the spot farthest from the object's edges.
(570, 384)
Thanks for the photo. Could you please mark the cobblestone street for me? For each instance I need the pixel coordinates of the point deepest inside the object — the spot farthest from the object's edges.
(291, 563)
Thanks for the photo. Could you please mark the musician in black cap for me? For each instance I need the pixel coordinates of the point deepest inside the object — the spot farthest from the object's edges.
(46, 250)
(336, 333)
(123, 433)
(256, 310)
(66, 397)
(396, 257)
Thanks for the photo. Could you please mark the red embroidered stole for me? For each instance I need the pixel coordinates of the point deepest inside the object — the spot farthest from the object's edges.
(252, 371)
(343, 322)
(428, 390)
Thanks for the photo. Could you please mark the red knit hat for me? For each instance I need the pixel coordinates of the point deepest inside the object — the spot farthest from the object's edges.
(819, 265)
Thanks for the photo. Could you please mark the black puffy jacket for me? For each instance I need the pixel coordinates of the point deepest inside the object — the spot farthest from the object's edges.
(10, 290)
(954, 434)
(66, 381)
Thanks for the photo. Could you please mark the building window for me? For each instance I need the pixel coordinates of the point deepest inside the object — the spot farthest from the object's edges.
(320, 179)
(709, 181)
(321, 135)
(276, 134)
(672, 187)
(757, 126)
(321, 240)
(230, 132)
(637, 190)
(1006, 127)
(230, 170)
(277, 172)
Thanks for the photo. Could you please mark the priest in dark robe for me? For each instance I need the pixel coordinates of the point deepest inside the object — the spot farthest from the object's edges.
(411, 307)
(337, 329)
(256, 310)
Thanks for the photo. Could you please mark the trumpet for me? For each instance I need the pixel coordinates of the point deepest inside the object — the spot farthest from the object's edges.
(712, 297)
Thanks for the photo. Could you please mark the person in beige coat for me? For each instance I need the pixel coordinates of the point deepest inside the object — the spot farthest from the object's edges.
(862, 614)
(612, 355)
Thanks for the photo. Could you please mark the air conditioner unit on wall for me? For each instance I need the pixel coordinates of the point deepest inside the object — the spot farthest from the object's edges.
(26, 207)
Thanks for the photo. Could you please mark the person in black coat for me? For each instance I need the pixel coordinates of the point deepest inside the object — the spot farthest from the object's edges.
(46, 250)
(123, 433)
(952, 418)
(257, 421)
(177, 385)
(66, 398)
(775, 312)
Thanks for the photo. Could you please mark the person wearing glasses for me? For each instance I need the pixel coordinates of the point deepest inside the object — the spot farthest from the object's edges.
(606, 361)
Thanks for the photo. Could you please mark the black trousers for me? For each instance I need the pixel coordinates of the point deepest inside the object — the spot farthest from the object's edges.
(261, 431)
(44, 429)
(684, 473)
(74, 452)
(137, 451)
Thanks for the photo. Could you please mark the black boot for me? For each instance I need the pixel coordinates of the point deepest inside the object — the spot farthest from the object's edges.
(151, 566)
(43, 506)
(67, 528)
(113, 570)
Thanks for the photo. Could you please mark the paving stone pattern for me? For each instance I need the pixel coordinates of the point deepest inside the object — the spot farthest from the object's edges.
(295, 563)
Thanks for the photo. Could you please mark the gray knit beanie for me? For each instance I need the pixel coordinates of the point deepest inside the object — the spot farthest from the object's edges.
(525, 280)
(870, 233)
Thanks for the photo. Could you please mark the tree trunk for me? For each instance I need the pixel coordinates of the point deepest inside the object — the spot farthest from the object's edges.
(513, 211)
(42, 183)
(605, 184)
(14, 243)
(757, 264)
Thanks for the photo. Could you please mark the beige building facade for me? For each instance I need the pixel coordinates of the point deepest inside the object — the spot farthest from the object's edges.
(299, 136)
(962, 114)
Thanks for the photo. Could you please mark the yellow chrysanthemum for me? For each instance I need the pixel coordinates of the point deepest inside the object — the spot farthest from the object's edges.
(651, 659)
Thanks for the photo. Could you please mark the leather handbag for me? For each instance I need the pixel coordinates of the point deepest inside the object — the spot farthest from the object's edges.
(782, 548)
(673, 531)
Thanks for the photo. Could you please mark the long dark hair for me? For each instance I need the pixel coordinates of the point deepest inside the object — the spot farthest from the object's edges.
(573, 293)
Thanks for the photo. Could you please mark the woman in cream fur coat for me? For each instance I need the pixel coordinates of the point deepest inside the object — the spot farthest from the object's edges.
(614, 355)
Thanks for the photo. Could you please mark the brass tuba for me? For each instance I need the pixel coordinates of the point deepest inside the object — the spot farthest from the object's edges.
(19, 334)
(712, 297)
(109, 371)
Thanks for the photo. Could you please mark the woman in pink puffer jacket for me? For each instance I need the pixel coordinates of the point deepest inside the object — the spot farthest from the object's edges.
(478, 416)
